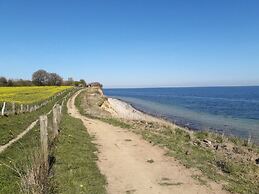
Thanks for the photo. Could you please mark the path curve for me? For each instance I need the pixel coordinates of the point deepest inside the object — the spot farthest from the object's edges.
(123, 158)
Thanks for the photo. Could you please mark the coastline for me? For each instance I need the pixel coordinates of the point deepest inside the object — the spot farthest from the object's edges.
(127, 107)
(184, 126)
(122, 145)
(232, 111)
(161, 119)
(127, 110)
(218, 157)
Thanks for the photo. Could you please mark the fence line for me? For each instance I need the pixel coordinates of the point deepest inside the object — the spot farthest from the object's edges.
(15, 109)
(44, 137)
(3, 109)
(44, 140)
(55, 121)
(33, 124)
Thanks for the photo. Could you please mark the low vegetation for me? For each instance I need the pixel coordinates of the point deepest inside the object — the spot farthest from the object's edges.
(217, 161)
(19, 158)
(226, 160)
(90, 101)
(75, 169)
(73, 158)
(15, 124)
(16, 160)
(89, 104)
(29, 95)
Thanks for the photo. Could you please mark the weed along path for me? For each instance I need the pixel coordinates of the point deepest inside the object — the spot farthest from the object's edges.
(132, 165)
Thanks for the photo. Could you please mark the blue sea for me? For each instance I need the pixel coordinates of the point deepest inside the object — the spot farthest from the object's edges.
(228, 110)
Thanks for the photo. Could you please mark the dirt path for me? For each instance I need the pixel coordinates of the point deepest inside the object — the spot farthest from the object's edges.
(123, 160)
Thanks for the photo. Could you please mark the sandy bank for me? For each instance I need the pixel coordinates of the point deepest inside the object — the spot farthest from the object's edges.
(124, 110)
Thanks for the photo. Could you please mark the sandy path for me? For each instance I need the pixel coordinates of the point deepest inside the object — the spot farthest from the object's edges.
(123, 160)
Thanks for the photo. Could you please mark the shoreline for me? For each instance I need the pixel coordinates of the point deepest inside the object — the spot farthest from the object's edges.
(166, 120)
(162, 118)
(129, 112)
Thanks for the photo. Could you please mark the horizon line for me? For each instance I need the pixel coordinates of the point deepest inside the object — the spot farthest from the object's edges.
(150, 87)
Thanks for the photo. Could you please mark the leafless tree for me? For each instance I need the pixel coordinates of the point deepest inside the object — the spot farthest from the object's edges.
(40, 78)
(55, 79)
(3, 81)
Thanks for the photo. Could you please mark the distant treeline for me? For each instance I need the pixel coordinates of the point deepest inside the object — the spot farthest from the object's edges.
(42, 78)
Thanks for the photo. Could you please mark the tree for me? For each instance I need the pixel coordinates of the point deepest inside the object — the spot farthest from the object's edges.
(3, 81)
(10, 83)
(40, 78)
(55, 79)
(70, 82)
(21, 82)
(76, 83)
(83, 82)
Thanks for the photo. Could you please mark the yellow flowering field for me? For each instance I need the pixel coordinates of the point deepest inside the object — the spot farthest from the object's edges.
(29, 95)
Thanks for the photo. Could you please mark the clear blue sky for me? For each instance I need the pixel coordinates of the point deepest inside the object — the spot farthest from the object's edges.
(133, 43)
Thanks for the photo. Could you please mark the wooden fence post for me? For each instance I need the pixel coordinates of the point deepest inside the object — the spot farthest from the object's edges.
(59, 110)
(62, 104)
(55, 121)
(3, 109)
(13, 108)
(44, 139)
(21, 108)
(59, 113)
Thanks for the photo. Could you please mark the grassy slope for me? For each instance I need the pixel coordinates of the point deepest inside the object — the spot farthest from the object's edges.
(93, 108)
(238, 176)
(14, 125)
(75, 168)
(19, 154)
(28, 95)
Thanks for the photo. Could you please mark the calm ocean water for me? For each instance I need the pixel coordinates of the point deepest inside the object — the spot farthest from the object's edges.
(232, 110)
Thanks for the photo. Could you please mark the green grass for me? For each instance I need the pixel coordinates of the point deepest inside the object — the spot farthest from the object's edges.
(240, 177)
(14, 125)
(201, 134)
(116, 122)
(18, 155)
(75, 169)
